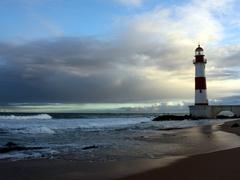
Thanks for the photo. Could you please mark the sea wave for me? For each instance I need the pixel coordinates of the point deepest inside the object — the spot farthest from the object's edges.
(25, 155)
(51, 126)
(171, 125)
(30, 117)
(33, 130)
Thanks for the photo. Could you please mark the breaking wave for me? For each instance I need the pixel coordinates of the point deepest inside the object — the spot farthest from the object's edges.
(32, 130)
(14, 117)
(26, 155)
(50, 126)
(44, 124)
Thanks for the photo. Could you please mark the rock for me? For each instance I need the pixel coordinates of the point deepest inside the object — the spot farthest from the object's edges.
(235, 125)
(10, 146)
(171, 117)
(90, 147)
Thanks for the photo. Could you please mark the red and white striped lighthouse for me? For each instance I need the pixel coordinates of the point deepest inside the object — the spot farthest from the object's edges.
(200, 79)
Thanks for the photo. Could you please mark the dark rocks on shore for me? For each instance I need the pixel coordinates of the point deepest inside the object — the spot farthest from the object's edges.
(235, 125)
(10, 146)
(227, 117)
(90, 147)
(172, 117)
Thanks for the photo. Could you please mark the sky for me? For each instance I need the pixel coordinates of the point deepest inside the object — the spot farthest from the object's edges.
(132, 55)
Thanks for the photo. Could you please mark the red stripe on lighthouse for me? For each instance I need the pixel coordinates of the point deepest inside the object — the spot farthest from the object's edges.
(199, 59)
(200, 83)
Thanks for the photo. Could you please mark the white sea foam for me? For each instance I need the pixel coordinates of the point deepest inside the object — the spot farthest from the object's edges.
(50, 126)
(21, 155)
(43, 125)
(14, 117)
(33, 130)
(189, 123)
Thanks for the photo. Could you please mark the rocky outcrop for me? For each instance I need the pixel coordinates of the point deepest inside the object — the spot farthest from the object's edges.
(171, 118)
(10, 146)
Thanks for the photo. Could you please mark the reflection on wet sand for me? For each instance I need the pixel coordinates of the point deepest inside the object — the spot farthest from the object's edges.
(194, 140)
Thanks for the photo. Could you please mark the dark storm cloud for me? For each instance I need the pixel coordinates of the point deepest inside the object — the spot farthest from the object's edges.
(76, 70)
(93, 70)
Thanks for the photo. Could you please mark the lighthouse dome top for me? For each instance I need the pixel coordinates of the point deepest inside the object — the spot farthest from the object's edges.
(199, 50)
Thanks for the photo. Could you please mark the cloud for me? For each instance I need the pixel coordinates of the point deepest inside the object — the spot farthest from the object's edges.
(78, 70)
(169, 107)
(150, 59)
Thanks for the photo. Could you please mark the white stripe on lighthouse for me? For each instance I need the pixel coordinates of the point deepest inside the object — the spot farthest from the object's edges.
(201, 96)
(199, 70)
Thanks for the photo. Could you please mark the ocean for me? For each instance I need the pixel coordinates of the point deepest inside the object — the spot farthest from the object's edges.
(97, 137)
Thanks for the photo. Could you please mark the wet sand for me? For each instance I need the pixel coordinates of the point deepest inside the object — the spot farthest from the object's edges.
(71, 170)
(228, 127)
(215, 165)
(221, 165)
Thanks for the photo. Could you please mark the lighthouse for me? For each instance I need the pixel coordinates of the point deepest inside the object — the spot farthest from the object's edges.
(201, 109)
(200, 78)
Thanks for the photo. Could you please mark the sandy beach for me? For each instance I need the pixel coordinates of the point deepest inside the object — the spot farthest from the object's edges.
(221, 164)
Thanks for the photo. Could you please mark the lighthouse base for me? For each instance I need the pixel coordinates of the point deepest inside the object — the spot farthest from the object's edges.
(200, 111)
(211, 112)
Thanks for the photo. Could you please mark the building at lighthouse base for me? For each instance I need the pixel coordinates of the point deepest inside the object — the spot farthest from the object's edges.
(212, 111)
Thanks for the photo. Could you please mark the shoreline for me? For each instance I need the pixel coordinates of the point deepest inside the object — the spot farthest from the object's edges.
(73, 169)
(184, 167)
(219, 165)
